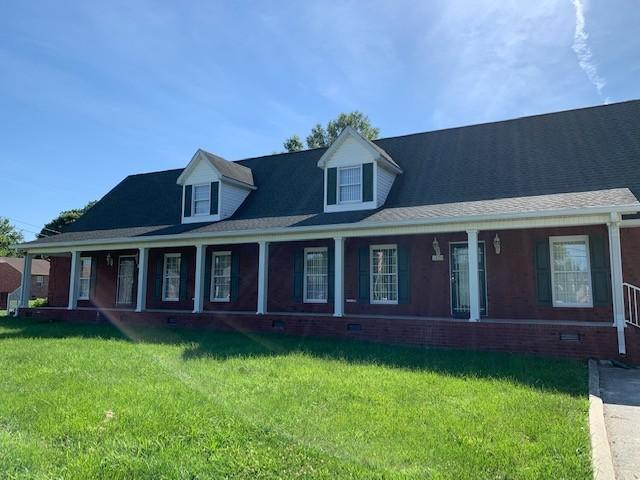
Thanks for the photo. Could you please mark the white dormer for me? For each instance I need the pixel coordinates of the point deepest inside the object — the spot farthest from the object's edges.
(358, 174)
(213, 188)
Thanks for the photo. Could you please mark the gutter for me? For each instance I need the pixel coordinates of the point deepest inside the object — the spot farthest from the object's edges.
(344, 228)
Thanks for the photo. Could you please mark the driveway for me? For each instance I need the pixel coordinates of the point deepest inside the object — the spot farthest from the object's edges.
(620, 391)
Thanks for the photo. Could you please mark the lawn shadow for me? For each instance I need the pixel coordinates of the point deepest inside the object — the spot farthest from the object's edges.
(561, 375)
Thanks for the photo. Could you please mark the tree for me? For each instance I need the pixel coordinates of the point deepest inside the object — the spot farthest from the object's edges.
(9, 235)
(65, 218)
(323, 137)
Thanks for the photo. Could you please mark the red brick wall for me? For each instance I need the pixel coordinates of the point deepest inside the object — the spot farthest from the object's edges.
(9, 281)
(103, 290)
(630, 246)
(59, 268)
(156, 302)
(248, 281)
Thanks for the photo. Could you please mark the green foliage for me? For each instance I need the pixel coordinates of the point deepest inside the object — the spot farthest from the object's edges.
(9, 235)
(323, 137)
(38, 302)
(65, 218)
(89, 401)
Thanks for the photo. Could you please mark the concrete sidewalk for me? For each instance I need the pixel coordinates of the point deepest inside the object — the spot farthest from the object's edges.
(620, 391)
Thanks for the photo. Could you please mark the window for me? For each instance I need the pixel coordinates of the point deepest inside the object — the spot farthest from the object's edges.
(221, 277)
(39, 280)
(384, 274)
(349, 184)
(84, 285)
(171, 277)
(316, 275)
(570, 271)
(126, 269)
(201, 198)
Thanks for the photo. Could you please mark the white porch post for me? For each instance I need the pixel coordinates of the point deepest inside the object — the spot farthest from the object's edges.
(616, 283)
(25, 282)
(198, 300)
(143, 267)
(263, 276)
(74, 274)
(474, 284)
(338, 272)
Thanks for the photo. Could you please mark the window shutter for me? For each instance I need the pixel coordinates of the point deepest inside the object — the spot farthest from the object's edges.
(207, 275)
(367, 182)
(331, 278)
(94, 276)
(187, 200)
(298, 274)
(185, 259)
(600, 279)
(213, 204)
(543, 272)
(363, 275)
(404, 255)
(235, 276)
(332, 184)
(157, 288)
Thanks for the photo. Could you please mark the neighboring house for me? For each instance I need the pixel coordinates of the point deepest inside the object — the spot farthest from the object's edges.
(11, 275)
(513, 235)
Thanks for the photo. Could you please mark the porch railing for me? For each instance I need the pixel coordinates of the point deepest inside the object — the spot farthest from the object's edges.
(13, 301)
(632, 294)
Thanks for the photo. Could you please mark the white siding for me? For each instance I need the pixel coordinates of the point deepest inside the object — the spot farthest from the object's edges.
(385, 181)
(350, 152)
(230, 199)
(203, 172)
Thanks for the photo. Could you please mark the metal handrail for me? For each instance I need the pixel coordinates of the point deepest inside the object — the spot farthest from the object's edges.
(13, 301)
(631, 292)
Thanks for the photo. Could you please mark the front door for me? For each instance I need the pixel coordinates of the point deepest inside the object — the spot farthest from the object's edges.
(459, 266)
(126, 273)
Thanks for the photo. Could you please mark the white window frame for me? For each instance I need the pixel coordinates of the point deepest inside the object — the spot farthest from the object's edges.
(339, 199)
(39, 280)
(388, 246)
(193, 200)
(120, 257)
(165, 276)
(214, 276)
(324, 250)
(87, 278)
(570, 238)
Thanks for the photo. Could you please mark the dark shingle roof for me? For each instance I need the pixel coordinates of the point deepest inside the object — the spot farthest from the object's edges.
(594, 148)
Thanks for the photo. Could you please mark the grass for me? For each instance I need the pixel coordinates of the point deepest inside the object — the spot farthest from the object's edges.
(95, 402)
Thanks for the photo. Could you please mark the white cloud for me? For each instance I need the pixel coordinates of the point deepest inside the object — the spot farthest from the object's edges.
(583, 51)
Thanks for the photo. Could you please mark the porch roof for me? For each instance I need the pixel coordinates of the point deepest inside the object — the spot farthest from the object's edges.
(619, 200)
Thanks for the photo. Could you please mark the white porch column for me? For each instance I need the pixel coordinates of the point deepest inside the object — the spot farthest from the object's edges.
(74, 275)
(474, 284)
(198, 299)
(338, 272)
(616, 283)
(143, 267)
(263, 276)
(25, 282)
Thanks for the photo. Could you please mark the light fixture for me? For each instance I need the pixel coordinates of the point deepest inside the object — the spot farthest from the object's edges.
(109, 260)
(497, 244)
(437, 254)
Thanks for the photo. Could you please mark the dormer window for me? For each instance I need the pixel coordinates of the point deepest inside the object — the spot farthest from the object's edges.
(350, 184)
(201, 199)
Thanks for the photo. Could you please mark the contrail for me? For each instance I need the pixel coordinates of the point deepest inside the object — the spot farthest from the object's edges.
(583, 52)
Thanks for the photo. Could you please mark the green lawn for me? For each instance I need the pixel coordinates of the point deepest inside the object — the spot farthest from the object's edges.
(95, 402)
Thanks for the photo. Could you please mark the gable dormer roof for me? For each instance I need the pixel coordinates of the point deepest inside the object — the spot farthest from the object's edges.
(231, 171)
(382, 157)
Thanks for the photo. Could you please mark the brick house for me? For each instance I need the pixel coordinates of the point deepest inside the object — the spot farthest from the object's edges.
(11, 275)
(518, 235)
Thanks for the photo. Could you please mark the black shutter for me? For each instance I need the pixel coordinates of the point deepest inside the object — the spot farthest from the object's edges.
(94, 277)
(363, 275)
(298, 274)
(332, 184)
(213, 205)
(185, 259)
(207, 276)
(543, 272)
(332, 274)
(187, 200)
(235, 276)
(157, 288)
(404, 286)
(600, 278)
(367, 182)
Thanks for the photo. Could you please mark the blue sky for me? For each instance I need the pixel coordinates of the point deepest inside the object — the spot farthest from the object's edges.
(91, 92)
